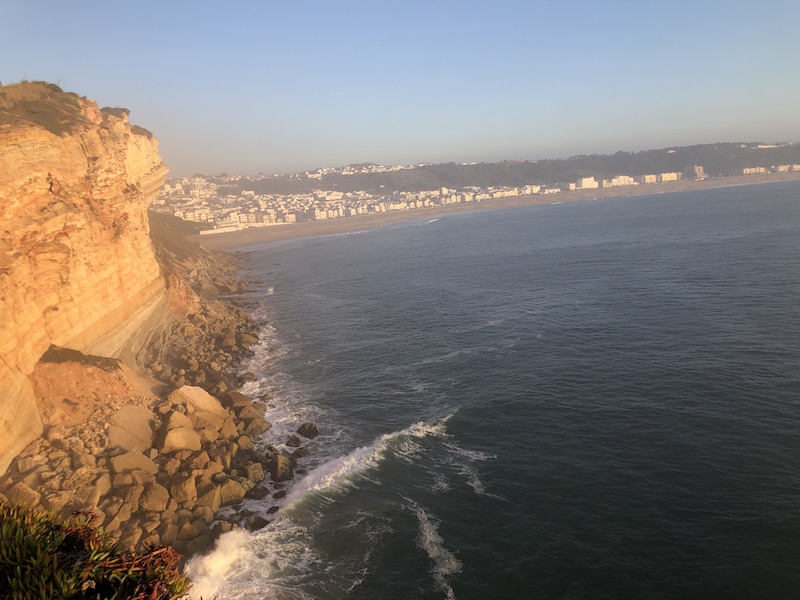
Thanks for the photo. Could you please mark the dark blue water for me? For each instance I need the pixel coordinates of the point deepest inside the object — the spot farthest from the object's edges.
(584, 400)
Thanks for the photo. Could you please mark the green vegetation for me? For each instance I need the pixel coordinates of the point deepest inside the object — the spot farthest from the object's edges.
(47, 105)
(43, 557)
(42, 103)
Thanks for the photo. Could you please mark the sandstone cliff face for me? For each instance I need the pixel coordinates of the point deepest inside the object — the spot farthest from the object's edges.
(77, 267)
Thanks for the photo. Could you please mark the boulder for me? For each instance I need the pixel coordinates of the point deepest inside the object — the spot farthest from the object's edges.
(176, 419)
(247, 339)
(184, 489)
(131, 461)
(82, 459)
(308, 430)
(168, 532)
(280, 467)
(294, 441)
(256, 427)
(244, 443)
(255, 472)
(209, 290)
(131, 428)
(122, 480)
(199, 461)
(210, 499)
(171, 466)
(257, 493)
(103, 484)
(200, 399)
(238, 400)
(247, 413)
(229, 430)
(231, 492)
(154, 498)
(203, 419)
(255, 522)
(131, 497)
(25, 465)
(181, 438)
(87, 495)
(203, 514)
(229, 340)
(131, 535)
(56, 500)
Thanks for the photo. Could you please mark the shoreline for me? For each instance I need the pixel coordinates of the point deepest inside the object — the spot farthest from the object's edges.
(237, 240)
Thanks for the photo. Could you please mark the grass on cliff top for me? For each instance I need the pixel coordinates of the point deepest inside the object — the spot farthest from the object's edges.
(44, 104)
(47, 105)
(44, 557)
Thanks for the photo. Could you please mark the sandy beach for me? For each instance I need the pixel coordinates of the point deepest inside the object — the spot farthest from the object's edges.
(260, 235)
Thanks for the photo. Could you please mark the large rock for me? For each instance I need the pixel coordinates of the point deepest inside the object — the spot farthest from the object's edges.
(210, 499)
(200, 399)
(181, 438)
(247, 413)
(55, 500)
(155, 498)
(183, 490)
(207, 420)
(238, 400)
(308, 430)
(131, 428)
(280, 467)
(132, 461)
(22, 494)
(255, 472)
(228, 430)
(231, 492)
(176, 419)
(256, 427)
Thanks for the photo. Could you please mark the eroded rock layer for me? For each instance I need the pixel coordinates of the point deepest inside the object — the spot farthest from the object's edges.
(77, 267)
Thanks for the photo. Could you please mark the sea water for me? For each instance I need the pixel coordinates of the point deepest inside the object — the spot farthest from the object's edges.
(584, 400)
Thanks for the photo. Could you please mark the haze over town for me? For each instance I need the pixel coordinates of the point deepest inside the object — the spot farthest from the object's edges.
(248, 87)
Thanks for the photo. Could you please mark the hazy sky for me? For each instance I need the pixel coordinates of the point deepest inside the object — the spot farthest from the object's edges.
(243, 87)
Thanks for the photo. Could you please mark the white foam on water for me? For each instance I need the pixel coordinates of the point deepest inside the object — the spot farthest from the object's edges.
(462, 459)
(270, 563)
(278, 557)
(445, 562)
(440, 484)
(340, 473)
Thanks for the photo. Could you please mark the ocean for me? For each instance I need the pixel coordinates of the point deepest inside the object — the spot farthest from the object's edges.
(581, 400)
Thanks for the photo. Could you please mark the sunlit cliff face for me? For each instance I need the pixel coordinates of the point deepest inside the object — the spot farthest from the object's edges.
(77, 267)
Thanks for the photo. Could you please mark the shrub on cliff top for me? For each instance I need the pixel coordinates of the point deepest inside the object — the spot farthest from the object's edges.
(41, 103)
(43, 556)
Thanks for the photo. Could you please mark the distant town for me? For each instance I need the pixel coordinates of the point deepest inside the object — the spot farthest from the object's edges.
(222, 204)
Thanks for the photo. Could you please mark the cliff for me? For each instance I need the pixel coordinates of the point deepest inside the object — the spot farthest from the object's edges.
(77, 267)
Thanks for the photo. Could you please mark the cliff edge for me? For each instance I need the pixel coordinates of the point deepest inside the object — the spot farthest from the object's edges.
(77, 267)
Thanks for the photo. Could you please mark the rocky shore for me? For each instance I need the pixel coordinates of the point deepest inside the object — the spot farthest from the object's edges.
(156, 453)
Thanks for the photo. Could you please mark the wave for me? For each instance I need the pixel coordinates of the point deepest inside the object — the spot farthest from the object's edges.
(340, 473)
(280, 558)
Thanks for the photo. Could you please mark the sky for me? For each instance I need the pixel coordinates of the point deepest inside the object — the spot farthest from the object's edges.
(247, 87)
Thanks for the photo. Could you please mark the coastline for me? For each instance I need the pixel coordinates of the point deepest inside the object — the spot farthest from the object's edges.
(262, 235)
(165, 453)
